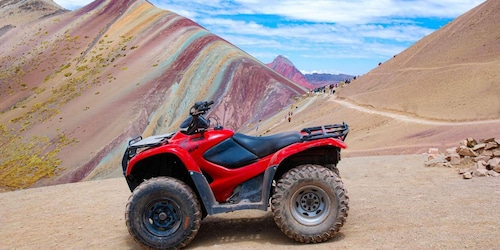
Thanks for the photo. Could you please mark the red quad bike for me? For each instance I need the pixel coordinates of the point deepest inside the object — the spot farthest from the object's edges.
(178, 178)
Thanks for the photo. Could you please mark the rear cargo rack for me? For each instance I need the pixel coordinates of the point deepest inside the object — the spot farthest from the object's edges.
(338, 131)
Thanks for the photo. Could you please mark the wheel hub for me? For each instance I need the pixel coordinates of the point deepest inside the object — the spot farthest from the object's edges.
(162, 218)
(310, 205)
(310, 202)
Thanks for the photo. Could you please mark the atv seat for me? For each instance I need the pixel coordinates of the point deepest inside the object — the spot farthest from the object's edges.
(266, 145)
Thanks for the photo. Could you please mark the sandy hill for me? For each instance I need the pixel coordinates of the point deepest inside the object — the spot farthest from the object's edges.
(450, 75)
(18, 12)
(444, 88)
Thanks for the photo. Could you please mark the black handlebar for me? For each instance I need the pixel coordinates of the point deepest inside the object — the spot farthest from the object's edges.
(199, 108)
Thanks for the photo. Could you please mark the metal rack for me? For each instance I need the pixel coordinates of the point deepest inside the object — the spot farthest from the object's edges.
(339, 131)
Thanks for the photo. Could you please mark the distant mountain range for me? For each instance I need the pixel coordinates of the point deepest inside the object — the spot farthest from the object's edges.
(286, 68)
(322, 79)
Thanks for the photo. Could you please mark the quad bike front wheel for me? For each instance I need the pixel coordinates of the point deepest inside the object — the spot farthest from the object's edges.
(163, 213)
(310, 204)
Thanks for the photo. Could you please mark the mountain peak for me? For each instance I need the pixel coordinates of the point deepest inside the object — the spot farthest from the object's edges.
(286, 68)
(281, 60)
(16, 12)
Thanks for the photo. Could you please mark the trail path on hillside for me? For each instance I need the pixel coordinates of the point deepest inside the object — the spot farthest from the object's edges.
(395, 203)
(405, 118)
(442, 68)
(279, 124)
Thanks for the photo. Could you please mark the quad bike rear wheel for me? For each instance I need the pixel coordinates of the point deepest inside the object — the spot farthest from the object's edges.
(163, 213)
(310, 204)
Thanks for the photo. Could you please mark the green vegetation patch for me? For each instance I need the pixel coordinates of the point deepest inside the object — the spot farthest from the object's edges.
(25, 161)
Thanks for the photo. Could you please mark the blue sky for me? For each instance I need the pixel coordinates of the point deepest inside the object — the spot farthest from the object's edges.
(324, 36)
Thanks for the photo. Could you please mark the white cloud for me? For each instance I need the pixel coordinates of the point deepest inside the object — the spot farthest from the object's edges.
(316, 29)
(341, 11)
(352, 11)
(72, 4)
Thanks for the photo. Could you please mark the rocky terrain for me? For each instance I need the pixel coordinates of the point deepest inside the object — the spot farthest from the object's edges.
(474, 158)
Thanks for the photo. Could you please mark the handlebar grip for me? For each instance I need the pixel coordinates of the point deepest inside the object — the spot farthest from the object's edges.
(206, 105)
(201, 107)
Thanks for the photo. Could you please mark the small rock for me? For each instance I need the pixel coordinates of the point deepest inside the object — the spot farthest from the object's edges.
(450, 151)
(431, 157)
(465, 151)
(433, 154)
(494, 162)
(471, 142)
(463, 170)
(496, 153)
(467, 175)
(480, 172)
(454, 158)
(481, 164)
(491, 145)
(433, 151)
(467, 159)
(488, 153)
(496, 169)
(481, 158)
(436, 162)
(489, 140)
(479, 146)
(493, 173)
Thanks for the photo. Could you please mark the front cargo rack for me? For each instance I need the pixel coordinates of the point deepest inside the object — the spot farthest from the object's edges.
(151, 141)
(338, 131)
(138, 143)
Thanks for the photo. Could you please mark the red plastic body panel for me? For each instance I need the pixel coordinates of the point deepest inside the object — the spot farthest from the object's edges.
(298, 147)
(190, 149)
(186, 147)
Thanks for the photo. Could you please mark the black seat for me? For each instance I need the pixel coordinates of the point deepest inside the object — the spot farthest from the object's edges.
(266, 145)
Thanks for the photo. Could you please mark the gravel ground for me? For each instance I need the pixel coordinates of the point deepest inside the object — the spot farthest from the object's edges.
(395, 203)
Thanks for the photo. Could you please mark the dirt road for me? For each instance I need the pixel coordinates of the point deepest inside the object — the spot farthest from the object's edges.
(395, 203)
(406, 118)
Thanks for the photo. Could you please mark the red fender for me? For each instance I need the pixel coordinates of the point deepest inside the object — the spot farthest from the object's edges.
(174, 149)
(298, 147)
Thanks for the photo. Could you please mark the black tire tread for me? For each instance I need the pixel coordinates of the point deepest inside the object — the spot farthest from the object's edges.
(149, 186)
(286, 183)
